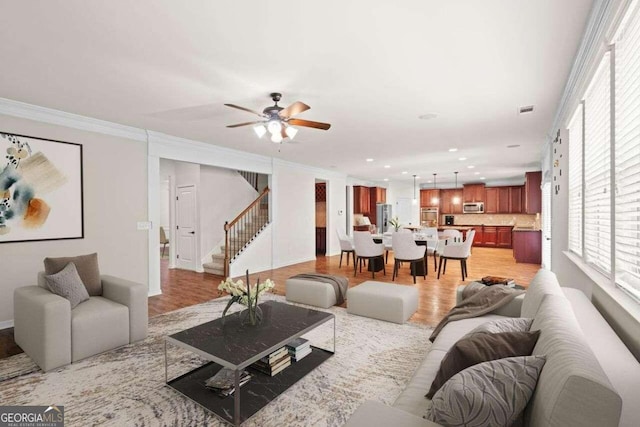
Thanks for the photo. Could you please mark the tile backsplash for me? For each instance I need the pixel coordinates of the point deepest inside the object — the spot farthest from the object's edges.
(519, 220)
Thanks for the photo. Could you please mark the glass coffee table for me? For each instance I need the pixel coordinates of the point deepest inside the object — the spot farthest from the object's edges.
(232, 345)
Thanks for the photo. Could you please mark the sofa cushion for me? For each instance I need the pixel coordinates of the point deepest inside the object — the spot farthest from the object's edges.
(479, 348)
(98, 325)
(490, 393)
(518, 324)
(543, 283)
(454, 331)
(67, 284)
(572, 389)
(87, 266)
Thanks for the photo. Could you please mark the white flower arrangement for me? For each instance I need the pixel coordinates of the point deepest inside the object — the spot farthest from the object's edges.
(245, 294)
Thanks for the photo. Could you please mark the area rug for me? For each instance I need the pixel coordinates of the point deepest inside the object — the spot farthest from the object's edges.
(373, 360)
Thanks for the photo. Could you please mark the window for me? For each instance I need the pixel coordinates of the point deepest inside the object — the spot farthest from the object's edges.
(627, 154)
(575, 182)
(597, 169)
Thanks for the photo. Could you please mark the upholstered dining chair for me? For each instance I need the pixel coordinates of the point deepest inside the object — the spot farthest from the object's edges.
(367, 249)
(346, 246)
(455, 235)
(406, 250)
(163, 240)
(457, 252)
(433, 243)
(387, 242)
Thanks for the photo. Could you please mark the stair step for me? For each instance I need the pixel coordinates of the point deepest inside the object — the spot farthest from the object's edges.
(212, 268)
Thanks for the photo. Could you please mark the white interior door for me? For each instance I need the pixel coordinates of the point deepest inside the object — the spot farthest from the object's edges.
(186, 227)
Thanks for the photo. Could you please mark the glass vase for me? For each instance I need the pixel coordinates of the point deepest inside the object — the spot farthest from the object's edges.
(252, 316)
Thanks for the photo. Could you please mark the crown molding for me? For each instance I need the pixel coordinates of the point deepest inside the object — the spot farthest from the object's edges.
(23, 110)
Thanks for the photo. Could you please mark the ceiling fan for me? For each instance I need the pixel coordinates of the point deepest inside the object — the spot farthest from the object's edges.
(278, 121)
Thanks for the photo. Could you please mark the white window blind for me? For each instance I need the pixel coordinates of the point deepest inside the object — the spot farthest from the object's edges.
(546, 225)
(575, 182)
(627, 155)
(597, 170)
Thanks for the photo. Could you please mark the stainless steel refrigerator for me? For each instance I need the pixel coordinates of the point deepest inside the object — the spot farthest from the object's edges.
(383, 215)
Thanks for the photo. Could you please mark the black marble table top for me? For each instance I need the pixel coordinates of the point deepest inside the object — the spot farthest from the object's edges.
(235, 346)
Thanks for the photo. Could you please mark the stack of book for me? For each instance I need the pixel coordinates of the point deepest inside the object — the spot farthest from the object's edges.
(223, 383)
(299, 348)
(495, 280)
(273, 363)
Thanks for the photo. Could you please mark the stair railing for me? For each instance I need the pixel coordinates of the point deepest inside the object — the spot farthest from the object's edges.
(244, 227)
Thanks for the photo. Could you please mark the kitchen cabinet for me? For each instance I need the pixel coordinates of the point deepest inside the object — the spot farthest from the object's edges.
(503, 199)
(503, 238)
(515, 199)
(427, 198)
(493, 236)
(527, 246)
(376, 195)
(447, 198)
(361, 200)
(532, 192)
(473, 193)
(491, 200)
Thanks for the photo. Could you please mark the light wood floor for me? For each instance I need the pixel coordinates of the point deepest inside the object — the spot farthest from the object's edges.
(181, 288)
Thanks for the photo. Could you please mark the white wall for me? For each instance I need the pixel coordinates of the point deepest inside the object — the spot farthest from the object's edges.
(397, 190)
(223, 194)
(115, 199)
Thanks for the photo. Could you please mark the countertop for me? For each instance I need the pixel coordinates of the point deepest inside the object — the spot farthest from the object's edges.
(455, 227)
(530, 229)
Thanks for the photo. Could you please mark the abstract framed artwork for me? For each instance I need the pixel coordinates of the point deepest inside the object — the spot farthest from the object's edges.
(41, 194)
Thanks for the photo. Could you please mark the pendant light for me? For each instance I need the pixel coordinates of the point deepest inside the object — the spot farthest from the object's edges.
(434, 200)
(414, 201)
(456, 198)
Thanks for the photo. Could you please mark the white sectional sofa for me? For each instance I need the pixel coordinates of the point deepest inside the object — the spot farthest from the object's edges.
(590, 377)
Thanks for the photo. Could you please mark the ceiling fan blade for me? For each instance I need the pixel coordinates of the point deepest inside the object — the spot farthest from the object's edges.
(293, 109)
(309, 124)
(243, 124)
(244, 109)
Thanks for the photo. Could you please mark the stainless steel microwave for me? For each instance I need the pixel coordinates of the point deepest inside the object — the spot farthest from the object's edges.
(477, 207)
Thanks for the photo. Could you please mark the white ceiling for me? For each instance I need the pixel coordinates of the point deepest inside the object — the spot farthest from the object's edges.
(368, 67)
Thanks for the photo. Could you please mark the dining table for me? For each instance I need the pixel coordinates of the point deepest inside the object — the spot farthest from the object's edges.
(421, 239)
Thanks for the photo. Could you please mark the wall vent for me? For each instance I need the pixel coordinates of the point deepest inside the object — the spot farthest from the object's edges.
(527, 109)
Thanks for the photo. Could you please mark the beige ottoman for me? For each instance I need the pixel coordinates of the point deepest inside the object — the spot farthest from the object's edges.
(310, 292)
(384, 301)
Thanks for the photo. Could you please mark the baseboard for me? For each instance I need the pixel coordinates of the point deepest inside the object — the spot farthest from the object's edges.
(296, 261)
(6, 324)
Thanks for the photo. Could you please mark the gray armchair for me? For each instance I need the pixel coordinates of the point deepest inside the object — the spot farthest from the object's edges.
(54, 335)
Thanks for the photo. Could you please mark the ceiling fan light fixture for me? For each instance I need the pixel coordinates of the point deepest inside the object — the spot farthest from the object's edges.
(291, 132)
(260, 130)
(274, 127)
(276, 138)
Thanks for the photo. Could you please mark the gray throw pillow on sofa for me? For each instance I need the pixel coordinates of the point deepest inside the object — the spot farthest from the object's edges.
(87, 266)
(67, 284)
(480, 348)
(488, 394)
(512, 324)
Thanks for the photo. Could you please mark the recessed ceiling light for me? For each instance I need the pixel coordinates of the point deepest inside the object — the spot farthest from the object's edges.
(513, 146)
(526, 109)
(428, 116)
(470, 166)
(387, 166)
(386, 179)
(369, 160)
(462, 159)
(404, 172)
(476, 173)
(482, 177)
(453, 150)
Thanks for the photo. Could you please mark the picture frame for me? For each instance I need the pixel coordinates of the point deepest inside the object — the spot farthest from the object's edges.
(41, 189)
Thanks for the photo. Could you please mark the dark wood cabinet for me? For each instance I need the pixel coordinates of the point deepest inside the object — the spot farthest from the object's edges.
(478, 240)
(489, 236)
(451, 201)
(533, 193)
(376, 195)
(503, 199)
(515, 199)
(321, 240)
(491, 200)
(429, 198)
(503, 239)
(473, 193)
(361, 200)
(527, 246)
(321, 192)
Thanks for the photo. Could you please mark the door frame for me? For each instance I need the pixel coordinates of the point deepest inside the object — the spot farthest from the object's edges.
(197, 267)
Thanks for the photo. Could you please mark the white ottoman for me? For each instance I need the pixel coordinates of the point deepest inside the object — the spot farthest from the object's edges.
(310, 292)
(384, 301)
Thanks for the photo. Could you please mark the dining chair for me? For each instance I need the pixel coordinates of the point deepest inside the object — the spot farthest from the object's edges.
(455, 235)
(386, 241)
(367, 249)
(163, 240)
(406, 250)
(457, 252)
(346, 246)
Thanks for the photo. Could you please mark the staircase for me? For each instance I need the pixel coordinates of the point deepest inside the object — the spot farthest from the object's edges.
(239, 233)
